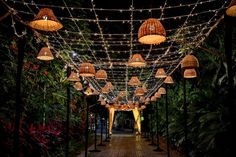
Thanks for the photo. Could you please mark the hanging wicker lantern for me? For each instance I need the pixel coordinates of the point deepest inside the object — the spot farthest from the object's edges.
(109, 85)
(151, 32)
(45, 20)
(105, 90)
(73, 77)
(153, 98)
(189, 61)
(86, 70)
(136, 61)
(168, 80)
(142, 99)
(190, 73)
(101, 75)
(88, 91)
(45, 54)
(139, 91)
(147, 99)
(157, 95)
(134, 81)
(160, 73)
(231, 10)
(121, 94)
(78, 86)
(162, 90)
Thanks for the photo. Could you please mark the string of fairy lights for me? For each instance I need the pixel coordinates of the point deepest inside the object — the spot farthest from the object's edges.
(111, 50)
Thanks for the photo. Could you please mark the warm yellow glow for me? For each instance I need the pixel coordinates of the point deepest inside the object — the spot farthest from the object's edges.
(190, 73)
(231, 11)
(45, 20)
(137, 120)
(111, 118)
(168, 80)
(73, 77)
(160, 73)
(45, 54)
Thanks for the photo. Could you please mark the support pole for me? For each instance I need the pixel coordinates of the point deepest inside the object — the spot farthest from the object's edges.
(18, 110)
(106, 127)
(230, 104)
(87, 125)
(151, 129)
(185, 120)
(68, 115)
(167, 124)
(95, 135)
(101, 121)
(158, 148)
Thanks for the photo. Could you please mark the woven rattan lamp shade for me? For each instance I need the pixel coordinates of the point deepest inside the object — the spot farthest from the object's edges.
(88, 91)
(134, 81)
(101, 75)
(78, 86)
(168, 80)
(160, 73)
(122, 94)
(162, 90)
(231, 10)
(153, 98)
(45, 54)
(157, 95)
(73, 77)
(86, 70)
(105, 90)
(109, 85)
(139, 91)
(151, 32)
(45, 20)
(189, 61)
(190, 73)
(136, 61)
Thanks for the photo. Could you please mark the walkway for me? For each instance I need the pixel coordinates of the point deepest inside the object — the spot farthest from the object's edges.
(125, 145)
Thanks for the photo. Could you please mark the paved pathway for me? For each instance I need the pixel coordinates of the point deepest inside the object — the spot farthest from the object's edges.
(125, 145)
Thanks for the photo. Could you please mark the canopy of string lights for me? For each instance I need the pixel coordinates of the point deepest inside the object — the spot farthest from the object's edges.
(112, 39)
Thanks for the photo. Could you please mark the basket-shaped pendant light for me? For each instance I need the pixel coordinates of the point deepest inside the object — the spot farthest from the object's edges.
(73, 77)
(88, 91)
(162, 90)
(45, 54)
(231, 10)
(101, 75)
(136, 61)
(109, 85)
(86, 70)
(139, 91)
(157, 95)
(189, 61)
(78, 86)
(121, 94)
(153, 98)
(168, 80)
(151, 32)
(190, 73)
(134, 81)
(160, 73)
(45, 20)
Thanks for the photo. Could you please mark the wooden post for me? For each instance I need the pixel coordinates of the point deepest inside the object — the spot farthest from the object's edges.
(18, 110)
(68, 115)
